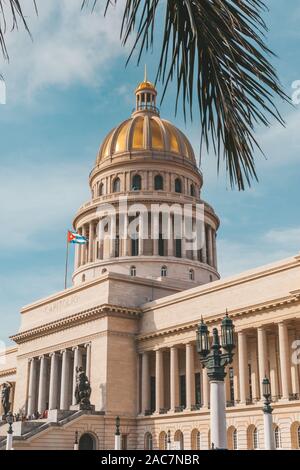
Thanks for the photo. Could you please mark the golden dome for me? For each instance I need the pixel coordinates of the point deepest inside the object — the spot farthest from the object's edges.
(145, 132)
(145, 85)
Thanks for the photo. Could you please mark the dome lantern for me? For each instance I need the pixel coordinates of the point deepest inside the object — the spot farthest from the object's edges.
(146, 96)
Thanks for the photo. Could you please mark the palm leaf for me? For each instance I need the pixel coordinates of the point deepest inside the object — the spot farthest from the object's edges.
(216, 49)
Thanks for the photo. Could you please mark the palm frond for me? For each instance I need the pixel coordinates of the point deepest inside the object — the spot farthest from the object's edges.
(216, 49)
(11, 15)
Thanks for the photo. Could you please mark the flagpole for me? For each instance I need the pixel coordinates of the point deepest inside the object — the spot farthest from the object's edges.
(67, 262)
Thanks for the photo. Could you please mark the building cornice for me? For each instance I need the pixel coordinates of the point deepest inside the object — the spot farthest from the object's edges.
(217, 318)
(75, 320)
(220, 285)
(5, 373)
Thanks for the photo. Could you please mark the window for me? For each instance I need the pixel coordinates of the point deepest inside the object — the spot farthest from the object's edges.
(198, 442)
(83, 278)
(192, 190)
(178, 438)
(178, 186)
(152, 394)
(148, 441)
(235, 439)
(87, 442)
(124, 442)
(100, 192)
(158, 183)
(136, 183)
(191, 275)
(161, 245)
(231, 384)
(198, 388)
(255, 439)
(164, 271)
(133, 271)
(117, 185)
(182, 388)
(134, 247)
(178, 248)
(298, 437)
(117, 246)
(163, 441)
(277, 438)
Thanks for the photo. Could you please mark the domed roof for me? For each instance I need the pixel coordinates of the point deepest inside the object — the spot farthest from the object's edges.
(145, 85)
(144, 132)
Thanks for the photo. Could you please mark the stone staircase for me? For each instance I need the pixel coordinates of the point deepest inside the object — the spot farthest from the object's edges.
(24, 430)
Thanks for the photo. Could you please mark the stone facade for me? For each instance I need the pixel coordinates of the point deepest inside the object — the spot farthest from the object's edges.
(134, 330)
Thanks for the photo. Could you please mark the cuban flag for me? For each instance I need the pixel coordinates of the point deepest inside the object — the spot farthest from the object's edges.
(75, 238)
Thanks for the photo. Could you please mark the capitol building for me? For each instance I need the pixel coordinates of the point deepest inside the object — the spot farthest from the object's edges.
(131, 316)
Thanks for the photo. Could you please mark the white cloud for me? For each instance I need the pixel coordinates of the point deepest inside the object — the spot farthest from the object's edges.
(274, 245)
(69, 46)
(39, 198)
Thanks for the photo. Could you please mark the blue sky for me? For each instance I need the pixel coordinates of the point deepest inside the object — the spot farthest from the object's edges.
(65, 90)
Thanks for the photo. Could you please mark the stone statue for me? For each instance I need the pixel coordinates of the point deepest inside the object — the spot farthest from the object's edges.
(5, 394)
(83, 389)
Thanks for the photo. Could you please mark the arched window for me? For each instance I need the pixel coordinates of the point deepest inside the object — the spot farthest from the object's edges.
(136, 183)
(148, 445)
(295, 435)
(255, 439)
(192, 190)
(158, 183)
(277, 437)
(163, 440)
(298, 435)
(178, 185)
(198, 441)
(178, 437)
(164, 271)
(235, 440)
(87, 442)
(100, 191)
(191, 275)
(117, 185)
(133, 271)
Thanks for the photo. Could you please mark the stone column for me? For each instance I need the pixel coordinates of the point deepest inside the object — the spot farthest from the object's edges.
(88, 347)
(171, 237)
(204, 249)
(91, 242)
(77, 363)
(215, 256)
(284, 354)
(84, 247)
(145, 382)
(79, 250)
(254, 372)
(126, 235)
(54, 380)
(190, 375)
(205, 389)
(273, 367)
(42, 398)
(77, 257)
(262, 357)
(65, 380)
(294, 367)
(210, 246)
(236, 378)
(174, 378)
(32, 389)
(159, 377)
(243, 366)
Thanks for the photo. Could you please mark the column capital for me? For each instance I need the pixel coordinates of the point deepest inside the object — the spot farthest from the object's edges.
(53, 354)
(88, 345)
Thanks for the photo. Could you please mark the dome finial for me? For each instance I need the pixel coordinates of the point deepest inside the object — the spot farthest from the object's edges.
(145, 74)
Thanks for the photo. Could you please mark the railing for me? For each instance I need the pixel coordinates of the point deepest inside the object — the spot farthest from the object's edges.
(179, 409)
(294, 396)
(146, 107)
(163, 411)
(196, 407)
(149, 412)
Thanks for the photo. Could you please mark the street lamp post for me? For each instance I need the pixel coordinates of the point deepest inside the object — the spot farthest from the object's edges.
(268, 420)
(76, 444)
(169, 440)
(214, 360)
(117, 434)
(9, 440)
